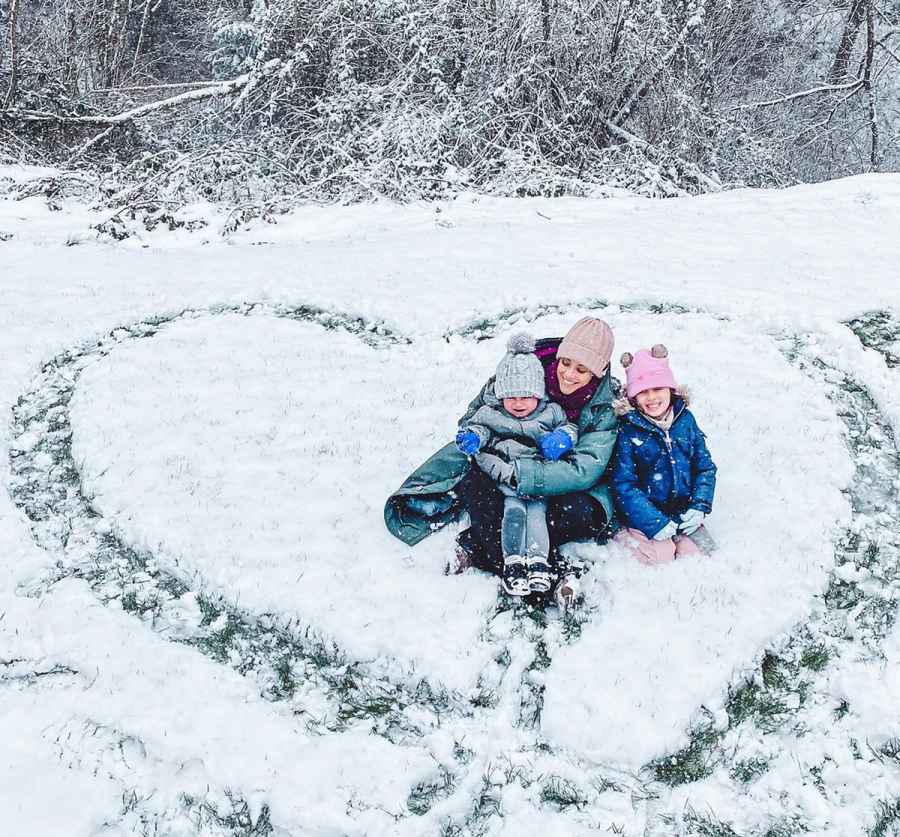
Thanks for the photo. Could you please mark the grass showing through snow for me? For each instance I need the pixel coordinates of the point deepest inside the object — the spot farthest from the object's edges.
(773, 709)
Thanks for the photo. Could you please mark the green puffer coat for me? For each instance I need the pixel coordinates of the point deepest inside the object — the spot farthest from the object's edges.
(584, 468)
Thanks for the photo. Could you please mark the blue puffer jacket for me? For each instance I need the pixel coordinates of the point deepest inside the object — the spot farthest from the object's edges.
(657, 475)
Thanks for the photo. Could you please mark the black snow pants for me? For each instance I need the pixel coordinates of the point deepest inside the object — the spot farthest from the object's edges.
(570, 517)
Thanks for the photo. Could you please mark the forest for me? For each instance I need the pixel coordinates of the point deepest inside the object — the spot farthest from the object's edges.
(151, 105)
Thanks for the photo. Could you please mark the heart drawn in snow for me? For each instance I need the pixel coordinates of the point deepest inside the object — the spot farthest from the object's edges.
(256, 454)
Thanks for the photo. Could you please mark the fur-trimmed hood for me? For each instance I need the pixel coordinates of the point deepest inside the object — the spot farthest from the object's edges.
(622, 406)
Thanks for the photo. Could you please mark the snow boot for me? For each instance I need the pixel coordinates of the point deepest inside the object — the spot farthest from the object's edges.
(540, 577)
(515, 576)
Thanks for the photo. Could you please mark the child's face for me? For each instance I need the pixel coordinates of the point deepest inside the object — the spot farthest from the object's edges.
(520, 407)
(654, 402)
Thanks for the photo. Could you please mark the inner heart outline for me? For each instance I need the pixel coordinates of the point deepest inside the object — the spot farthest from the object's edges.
(54, 536)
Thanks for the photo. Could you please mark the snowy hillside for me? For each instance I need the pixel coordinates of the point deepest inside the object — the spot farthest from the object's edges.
(206, 629)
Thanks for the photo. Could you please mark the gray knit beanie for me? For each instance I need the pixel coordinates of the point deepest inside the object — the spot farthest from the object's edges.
(520, 373)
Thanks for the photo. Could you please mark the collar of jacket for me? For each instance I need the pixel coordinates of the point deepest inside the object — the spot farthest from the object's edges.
(637, 418)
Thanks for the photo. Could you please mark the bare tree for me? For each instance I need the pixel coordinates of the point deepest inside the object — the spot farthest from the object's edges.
(13, 36)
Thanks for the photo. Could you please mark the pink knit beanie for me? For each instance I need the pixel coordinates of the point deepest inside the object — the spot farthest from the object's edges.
(647, 369)
(589, 342)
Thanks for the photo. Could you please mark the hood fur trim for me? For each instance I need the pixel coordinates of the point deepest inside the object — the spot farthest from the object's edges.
(622, 406)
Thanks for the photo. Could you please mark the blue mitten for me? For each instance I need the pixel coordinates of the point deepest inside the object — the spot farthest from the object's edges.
(468, 442)
(555, 444)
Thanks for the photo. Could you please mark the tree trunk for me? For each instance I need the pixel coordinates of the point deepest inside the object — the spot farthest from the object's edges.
(140, 41)
(867, 84)
(70, 65)
(13, 52)
(848, 39)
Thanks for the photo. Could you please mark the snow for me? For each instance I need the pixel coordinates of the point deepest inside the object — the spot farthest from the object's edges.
(621, 694)
(251, 456)
(257, 453)
(164, 698)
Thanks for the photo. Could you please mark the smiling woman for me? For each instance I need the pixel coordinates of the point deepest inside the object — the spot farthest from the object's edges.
(579, 506)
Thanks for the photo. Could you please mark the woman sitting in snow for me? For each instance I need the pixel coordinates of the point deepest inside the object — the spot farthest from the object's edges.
(579, 501)
(664, 478)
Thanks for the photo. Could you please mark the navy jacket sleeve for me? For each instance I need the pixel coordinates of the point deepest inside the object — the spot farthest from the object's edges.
(703, 474)
(635, 507)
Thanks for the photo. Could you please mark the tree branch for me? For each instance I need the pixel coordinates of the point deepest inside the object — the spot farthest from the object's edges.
(141, 88)
(825, 88)
(225, 88)
(632, 95)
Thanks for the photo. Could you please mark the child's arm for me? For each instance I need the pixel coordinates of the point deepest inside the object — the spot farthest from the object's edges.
(703, 472)
(635, 507)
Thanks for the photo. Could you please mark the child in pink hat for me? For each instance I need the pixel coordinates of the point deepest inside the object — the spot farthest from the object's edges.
(664, 478)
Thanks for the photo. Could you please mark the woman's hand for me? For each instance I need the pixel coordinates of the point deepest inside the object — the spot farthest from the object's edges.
(555, 444)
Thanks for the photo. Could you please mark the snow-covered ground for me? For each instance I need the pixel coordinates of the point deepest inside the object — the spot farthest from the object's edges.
(206, 629)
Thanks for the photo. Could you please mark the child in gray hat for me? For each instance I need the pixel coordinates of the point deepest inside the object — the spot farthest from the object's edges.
(515, 418)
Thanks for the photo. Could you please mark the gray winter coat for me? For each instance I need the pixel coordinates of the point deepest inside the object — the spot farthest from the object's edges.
(511, 438)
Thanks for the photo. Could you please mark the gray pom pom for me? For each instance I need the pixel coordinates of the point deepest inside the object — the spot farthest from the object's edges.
(520, 344)
(626, 360)
(659, 351)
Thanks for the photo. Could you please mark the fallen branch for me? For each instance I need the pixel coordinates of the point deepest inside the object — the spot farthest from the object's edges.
(84, 147)
(225, 88)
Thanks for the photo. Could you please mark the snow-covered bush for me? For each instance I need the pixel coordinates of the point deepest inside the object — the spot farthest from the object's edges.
(351, 99)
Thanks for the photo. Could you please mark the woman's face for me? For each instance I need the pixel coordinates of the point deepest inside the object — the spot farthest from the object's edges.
(572, 375)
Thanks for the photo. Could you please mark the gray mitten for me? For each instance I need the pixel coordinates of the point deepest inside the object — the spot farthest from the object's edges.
(499, 470)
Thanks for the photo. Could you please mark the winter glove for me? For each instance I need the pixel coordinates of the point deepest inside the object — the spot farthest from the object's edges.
(555, 444)
(499, 470)
(667, 531)
(468, 442)
(691, 521)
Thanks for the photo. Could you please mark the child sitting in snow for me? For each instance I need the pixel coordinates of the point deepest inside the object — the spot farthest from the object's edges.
(664, 477)
(516, 419)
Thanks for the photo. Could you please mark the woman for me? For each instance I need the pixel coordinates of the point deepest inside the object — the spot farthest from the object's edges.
(579, 504)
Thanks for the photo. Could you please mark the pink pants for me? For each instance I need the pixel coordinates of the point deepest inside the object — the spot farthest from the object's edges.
(649, 551)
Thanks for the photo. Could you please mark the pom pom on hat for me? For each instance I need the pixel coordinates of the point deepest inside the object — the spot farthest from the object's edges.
(520, 344)
(647, 369)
